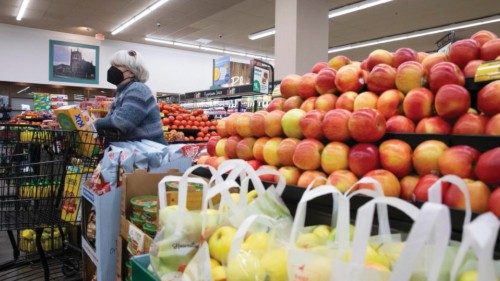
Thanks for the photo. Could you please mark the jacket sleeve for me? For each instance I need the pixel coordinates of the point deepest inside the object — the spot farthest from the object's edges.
(130, 114)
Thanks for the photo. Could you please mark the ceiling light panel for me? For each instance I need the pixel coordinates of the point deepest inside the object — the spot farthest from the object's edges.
(139, 16)
(22, 10)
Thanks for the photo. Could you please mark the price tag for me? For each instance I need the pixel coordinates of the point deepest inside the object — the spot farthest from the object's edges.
(488, 71)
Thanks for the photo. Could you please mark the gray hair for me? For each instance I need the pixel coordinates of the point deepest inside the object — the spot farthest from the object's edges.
(132, 60)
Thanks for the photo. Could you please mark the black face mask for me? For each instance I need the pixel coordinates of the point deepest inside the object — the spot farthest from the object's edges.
(115, 75)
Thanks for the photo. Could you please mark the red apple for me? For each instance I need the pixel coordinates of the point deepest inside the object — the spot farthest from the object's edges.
(390, 103)
(338, 61)
(289, 86)
(381, 78)
(268, 177)
(488, 99)
(243, 124)
(258, 148)
(286, 150)
(308, 177)
(257, 124)
(444, 73)
(310, 125)
(400, 124)
(408, 185)
(483, 36)
(433, 125)
(276, 104)
(366, 125)
(346, 101)
(342, 179)
(452, 101)
(318, 66)
(244, 148)
(426, 156)
(421, 56)
(308, 104)
(334, 157)
(230, 147)
(292, 102)
(470, 124)
(490, 50)
(325, 81)
(432, 60)
(479, 194)
(307, 86)
(307, 154)
(471, 68)
(325, 102)
(365, 100)
(255, 164)
(363, 157)
(389, 182)
(291, 174)
(396, 157)
(335, 125)
(270, 151)
(463, 51)
(377, 57)
(410, 75)
(459, 160)
(488, 167)
(290, 123)
(493, 126)
(349, 78)
(404, 54)
(494, 202)
(421, 191)
(272, 123)
(418, 104)
(211, 144)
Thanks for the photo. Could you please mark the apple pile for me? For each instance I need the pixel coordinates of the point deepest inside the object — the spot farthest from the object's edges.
(175, 117)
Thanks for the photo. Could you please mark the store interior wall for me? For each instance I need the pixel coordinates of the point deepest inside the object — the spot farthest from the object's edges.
(24, 57)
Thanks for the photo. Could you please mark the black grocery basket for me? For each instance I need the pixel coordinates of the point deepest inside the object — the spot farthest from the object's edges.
(33, 165)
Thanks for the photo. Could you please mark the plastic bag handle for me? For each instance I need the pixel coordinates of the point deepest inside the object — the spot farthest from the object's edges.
(183, 186)
(343, 218)
(237, 168)
(243, 229)
(433, 226)
(280, 185)
(480, 235)
(435, 194)
(382, 212)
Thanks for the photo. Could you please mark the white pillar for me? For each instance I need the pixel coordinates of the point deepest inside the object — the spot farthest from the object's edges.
(301, 37)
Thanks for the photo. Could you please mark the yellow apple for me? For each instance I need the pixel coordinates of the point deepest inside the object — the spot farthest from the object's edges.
(308, 240)
(256, 243)
(377, 266)
(322, 231)
(245, 267)
(220, 243)
(275, 265)
(219, 273)
(214, 263)
(333, 233)
(251, 195)
(391, 250)
(470, 275)
(371, 257)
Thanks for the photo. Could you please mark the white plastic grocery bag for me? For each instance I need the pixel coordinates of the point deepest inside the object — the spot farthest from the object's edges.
(480, 236)
(431, 231)
(181, 229)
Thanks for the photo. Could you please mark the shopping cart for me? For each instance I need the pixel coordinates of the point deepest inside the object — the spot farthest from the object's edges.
(32, 172)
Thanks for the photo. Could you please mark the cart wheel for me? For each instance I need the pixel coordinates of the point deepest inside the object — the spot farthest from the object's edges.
(70, 267)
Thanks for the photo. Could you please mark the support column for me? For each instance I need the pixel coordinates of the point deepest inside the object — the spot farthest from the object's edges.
(301, 37)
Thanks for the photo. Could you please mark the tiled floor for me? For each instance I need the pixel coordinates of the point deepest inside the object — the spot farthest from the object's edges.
(31, 271)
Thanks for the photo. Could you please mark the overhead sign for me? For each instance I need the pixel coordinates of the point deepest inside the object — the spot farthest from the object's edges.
(221, 72)
(260, 80)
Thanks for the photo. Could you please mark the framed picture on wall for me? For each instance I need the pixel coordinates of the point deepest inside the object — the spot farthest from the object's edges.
(72, 62)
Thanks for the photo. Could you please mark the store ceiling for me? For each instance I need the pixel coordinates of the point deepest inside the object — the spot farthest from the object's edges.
(190, 20)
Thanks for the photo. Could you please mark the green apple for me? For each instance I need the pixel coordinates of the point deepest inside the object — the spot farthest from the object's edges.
(219, 243)
(275, 264)
(256, 243)
(470, 275)
(251, 195)
(308, 240)
(245, 267)
(322, 231)
(333, 233)
(219, 273)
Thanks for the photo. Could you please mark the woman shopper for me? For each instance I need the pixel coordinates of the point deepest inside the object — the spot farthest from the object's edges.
(134, 114)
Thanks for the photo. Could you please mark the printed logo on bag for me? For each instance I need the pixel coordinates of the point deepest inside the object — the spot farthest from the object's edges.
(79, 121)
(177, 246)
